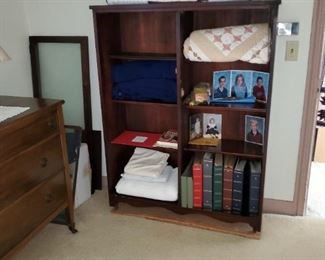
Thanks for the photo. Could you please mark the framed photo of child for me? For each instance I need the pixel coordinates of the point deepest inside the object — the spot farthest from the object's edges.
(260, 85)
(212, 124)
(196, 129)
(241, 82)
(221, 85)
(205, 129)
(254, 129)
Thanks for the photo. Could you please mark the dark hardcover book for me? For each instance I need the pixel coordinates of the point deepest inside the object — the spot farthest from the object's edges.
(227, 181)
(197, 181)
(238, 186)
(207, 180)
(217, 182)
(254, 186)
(186, 187)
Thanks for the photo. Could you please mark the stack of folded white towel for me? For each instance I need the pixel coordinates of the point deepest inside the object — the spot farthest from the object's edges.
(148, 175)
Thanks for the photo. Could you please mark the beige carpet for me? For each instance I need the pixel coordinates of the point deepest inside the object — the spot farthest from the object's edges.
(316, 191)
(103, 235)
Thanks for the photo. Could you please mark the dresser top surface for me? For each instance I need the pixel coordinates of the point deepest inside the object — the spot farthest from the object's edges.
(34, 104)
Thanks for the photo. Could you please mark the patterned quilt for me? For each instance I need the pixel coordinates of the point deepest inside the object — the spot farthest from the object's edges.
(250, 43)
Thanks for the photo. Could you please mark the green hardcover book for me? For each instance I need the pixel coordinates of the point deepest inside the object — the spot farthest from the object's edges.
(217, 182)
(190, 189)
(187, 174)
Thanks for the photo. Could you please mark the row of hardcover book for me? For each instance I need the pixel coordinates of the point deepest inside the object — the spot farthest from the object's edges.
(217, 182)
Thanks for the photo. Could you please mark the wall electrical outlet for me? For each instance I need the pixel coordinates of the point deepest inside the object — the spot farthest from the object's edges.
(292, 50)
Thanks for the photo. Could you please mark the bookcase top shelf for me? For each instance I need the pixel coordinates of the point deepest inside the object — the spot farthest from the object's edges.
(186, 6)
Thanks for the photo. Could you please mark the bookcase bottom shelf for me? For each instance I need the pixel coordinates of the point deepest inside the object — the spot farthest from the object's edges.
(172, 212)
(201, 221)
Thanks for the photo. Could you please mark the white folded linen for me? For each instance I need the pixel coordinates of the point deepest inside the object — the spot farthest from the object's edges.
(146, 162)
(8, 111)
(166, 191)
(162, 178)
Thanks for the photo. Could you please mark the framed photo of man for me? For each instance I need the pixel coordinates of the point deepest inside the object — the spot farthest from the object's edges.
(221, 85)
(254, 129)
(260, 85)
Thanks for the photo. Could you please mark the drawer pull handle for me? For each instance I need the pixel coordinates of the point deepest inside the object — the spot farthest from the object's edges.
(48, 198)
(43, 162)
(51, 124)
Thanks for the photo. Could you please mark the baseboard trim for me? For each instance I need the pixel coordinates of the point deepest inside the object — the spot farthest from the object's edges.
(279, 207)
(270, 205)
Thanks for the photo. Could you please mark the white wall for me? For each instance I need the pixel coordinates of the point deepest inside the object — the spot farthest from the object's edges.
(75, 18)
(287, 103)
(15, 75)
(69, 18)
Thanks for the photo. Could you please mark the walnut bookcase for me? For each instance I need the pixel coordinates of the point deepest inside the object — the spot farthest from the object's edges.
(157, 32)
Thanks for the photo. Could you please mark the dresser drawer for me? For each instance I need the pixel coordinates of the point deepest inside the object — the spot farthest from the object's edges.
(18, 140)
(26, 214)
(30, 168)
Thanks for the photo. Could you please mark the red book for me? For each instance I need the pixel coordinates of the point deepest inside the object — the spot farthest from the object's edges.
(138, 139)
(197, 181)
(227, 181)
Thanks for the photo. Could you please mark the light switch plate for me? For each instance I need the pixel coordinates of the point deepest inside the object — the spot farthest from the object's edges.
(292, 48)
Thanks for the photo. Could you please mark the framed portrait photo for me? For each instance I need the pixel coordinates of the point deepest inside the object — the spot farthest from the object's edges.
(196, 123)
(221, 85)
(212, 125)
(260, 85)
(241, 83)
(254, 129)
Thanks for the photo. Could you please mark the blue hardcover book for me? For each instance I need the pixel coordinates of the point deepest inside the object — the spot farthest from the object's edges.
(238, 187)
(254, 186)
(207, 180)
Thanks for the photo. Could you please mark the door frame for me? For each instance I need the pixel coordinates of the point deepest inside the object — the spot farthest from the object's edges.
(312, 93)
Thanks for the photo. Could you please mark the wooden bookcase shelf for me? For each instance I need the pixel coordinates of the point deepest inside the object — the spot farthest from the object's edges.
(215, 108)
(142, 56)
(126, 33)
(231, 147)
(220, 215)
(161, 149)
(140, 103)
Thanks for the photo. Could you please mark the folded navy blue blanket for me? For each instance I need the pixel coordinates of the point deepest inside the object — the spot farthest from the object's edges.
(145, 81)
(146, 90)
(150, 69)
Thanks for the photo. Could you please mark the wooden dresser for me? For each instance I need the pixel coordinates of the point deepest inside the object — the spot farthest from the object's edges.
(34, 182)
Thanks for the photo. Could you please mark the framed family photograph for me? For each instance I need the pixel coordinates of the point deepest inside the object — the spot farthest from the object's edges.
(240, 86)
(254, 129)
